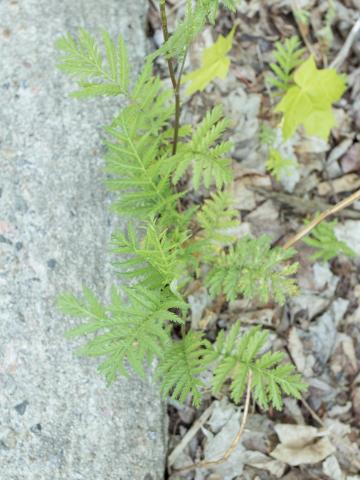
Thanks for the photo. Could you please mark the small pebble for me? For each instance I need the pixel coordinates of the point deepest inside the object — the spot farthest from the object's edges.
(5, 240)
(51, 263)
(36, 428)
(21, 407)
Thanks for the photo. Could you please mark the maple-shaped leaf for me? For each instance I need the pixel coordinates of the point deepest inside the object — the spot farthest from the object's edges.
(214, 64)
(309, 101)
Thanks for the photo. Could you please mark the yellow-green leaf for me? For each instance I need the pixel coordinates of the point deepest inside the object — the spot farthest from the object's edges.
(309, 101)
(215, 64)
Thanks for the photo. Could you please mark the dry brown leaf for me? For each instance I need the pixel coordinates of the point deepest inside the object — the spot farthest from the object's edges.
(301, 444)
(344, 356)
(332, 469)
(347, 183)
(349, 232)
(297, 350)
(262, 461)
(350, 162)
(265, 220)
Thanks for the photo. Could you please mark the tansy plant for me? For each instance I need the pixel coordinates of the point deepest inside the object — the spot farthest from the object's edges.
(169, 242)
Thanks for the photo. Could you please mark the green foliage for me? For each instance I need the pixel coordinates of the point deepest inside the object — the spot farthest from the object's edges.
(212, 7)
(277, 165)
(235, 357)
(157, 260)
(253, 269)
(302, 16)
(324, 240)
(287, 58)
(267, 135)
(82, 58)
(187, 30)
(136, 159)
(216, 217)
(190, 27)
(309, 101)
(174, 241)
(326, 33)
(128, 333)
(205, 153)
(214, 64)
(181, 367)
(138, 173)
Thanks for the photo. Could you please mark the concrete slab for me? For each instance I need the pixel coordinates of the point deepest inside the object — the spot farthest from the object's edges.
(58, 420)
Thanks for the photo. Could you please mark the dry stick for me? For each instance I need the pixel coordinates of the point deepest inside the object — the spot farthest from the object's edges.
(230, 450)
(331, 211)
(345, 49)
(190, 434)
(312, 412)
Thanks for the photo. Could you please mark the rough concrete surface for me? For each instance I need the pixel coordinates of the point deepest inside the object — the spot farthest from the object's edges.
(58, 420)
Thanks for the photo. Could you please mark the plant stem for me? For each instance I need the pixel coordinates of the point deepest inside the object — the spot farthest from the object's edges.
(164, 25)
(175, 82)
(234, 444)
(330, 211)
(178, 106)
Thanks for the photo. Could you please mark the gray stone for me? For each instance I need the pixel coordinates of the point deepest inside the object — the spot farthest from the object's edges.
(58, 420)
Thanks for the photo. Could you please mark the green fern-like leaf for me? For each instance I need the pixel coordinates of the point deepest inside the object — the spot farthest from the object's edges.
(212, 7)
(138, 155)
(287, 58)
(137, 172)
(81, 57)
(267, 135)
(181, 367)
(216, 217)
(253, 269)
(156, 260)
(186, 32)
(235, 356)
(128, 333)
(205, 153)
(324, 241)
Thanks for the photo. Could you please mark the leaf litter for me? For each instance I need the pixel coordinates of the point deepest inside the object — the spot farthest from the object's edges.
(318, 438)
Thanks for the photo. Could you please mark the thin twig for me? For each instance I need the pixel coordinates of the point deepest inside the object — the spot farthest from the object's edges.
(345, 49)
(190, 434)
(230, 450)
(312, 412)
(331, 211)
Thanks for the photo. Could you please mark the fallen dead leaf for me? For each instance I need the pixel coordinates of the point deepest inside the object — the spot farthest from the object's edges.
(344, 356)
(297, 350)
(332, 469)
(350, 162)
(347, 451)
(198, 302)
(265, 220)
(349, 232)
(347, 183)
(262, 461)
(301, 444)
